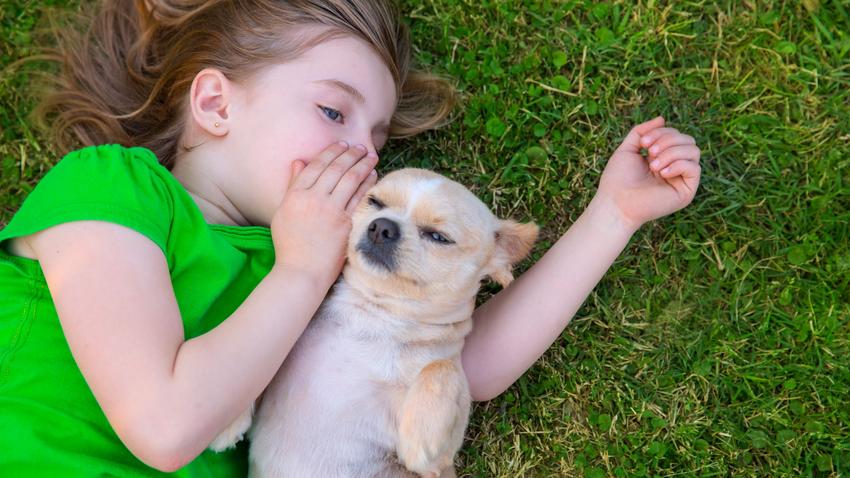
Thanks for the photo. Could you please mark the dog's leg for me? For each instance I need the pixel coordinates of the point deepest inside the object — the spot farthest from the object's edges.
(231, 435)
(449, 473)
(433, 418)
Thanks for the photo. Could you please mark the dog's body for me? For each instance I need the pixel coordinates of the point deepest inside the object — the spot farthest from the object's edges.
(334, 407)
(374, 387)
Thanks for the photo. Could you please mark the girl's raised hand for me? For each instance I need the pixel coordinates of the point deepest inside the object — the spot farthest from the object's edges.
(665, 181)
(311, 226)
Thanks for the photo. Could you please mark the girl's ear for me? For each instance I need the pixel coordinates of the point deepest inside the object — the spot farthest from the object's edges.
(513, 242)
(210, 97)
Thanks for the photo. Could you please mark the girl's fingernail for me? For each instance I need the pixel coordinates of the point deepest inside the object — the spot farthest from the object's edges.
(343, 144)
(373, 173)
(666, 170)
(653, 150)
(361, 147)
(654, 164)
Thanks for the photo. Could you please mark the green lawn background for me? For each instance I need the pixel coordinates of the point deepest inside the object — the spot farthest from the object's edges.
(717, 344)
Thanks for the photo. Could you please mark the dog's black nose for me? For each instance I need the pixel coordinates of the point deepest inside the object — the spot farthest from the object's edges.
(383, 231)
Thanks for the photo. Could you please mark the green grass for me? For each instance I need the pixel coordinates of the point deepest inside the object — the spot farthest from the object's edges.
(719, 343)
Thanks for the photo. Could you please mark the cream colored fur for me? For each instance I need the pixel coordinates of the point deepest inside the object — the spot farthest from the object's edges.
(374, 387)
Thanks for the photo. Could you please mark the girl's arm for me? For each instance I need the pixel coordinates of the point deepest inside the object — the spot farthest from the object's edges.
(165, 397)
(515, 327)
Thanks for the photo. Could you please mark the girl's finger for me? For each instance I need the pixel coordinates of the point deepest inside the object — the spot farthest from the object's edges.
(295, 168)
(688, 152)
(365, 186)
(315, 167)
(667, 141)
(684, 175)
(631, 143)
(338, 169)
(649, 138)
(349, 183)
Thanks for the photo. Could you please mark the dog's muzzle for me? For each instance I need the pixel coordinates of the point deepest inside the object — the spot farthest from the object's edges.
(380, 243)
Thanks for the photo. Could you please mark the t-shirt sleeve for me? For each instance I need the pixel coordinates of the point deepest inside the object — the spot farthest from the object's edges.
(126, 186)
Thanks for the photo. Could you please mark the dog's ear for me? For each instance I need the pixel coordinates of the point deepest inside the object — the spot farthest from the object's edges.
(513, 242)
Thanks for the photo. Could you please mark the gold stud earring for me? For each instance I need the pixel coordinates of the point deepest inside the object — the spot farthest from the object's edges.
(217, 124)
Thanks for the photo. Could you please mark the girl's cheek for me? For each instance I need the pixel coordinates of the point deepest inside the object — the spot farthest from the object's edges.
(305, 136)
(322, 135)
(307, 147)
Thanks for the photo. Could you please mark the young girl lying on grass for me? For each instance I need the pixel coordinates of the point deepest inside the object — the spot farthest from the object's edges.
(139, 283)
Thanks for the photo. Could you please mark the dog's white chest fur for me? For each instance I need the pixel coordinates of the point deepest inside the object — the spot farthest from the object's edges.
(332, 410)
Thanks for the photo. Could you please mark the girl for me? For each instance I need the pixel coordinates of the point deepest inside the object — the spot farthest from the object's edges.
(151, 290)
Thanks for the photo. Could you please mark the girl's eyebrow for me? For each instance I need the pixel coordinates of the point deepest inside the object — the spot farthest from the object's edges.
(345, 87)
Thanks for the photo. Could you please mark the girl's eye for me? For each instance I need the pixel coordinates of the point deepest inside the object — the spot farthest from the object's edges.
(375, 203)
(436, 237)
(332, 114)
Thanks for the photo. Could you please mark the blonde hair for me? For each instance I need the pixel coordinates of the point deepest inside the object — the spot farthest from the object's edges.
(125, 79)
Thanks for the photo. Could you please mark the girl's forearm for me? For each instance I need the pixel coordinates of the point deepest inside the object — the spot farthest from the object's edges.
(219, 374)
(515, 327)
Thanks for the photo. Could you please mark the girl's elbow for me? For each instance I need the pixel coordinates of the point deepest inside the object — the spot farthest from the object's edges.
(164, 464)
(166, 447)
(171, 464)
(482, 392)
(163, 454)
(480, 389)
(169, 461)
(484, 395)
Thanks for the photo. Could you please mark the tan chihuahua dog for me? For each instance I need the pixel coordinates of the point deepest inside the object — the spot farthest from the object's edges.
(374, 387)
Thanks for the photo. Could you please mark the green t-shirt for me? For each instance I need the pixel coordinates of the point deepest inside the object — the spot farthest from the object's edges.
(50, 423)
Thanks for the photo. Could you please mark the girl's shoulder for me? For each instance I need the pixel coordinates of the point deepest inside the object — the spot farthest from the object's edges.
(109, 162)
(113, 183)
(129, 180)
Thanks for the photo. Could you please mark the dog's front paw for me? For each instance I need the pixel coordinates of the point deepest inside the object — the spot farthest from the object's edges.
(433, 419)
(426, 459)
(231, 435)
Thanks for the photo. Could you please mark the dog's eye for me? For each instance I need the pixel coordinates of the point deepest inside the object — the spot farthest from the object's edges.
(375, 203)
(435, 236)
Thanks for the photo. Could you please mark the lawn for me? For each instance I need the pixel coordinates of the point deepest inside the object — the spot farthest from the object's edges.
(718, 344)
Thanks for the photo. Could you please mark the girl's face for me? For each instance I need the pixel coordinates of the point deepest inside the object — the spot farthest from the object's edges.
(339, 90)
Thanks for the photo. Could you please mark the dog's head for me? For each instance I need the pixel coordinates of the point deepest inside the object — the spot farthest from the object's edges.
(419, 236)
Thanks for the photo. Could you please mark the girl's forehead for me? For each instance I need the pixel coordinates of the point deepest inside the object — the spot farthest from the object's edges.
(347, 56)
(347, 65)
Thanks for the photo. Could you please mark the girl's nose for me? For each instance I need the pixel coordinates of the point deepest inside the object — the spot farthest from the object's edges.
(365, 141)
